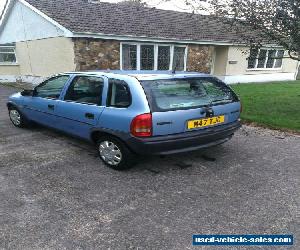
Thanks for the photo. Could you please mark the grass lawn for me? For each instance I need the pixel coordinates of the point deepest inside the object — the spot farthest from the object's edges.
(274, 104)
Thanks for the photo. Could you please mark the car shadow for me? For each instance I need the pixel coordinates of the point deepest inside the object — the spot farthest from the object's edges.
(155, 165)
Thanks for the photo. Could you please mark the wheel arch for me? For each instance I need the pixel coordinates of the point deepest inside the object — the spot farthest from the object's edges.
(10, 105)
(96, 134)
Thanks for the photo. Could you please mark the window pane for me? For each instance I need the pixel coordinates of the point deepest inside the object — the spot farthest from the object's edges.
(118, 94)
(129, 56)
(147, 57)
(172, 94)
(262, 58)
(178, 58)
(270, 61)
(163, 58)
(7, 50)
(252, 58)
(271, 55)
(86, 90)
(278, 62)
(7, 58)
(52, 87)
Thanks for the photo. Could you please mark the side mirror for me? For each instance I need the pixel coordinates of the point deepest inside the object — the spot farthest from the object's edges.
(27, 92)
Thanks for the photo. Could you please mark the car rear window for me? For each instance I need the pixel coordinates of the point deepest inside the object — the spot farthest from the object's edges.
(187, 93)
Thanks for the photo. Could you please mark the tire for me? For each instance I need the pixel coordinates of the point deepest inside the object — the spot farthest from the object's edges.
(114, 153)
(16, 117)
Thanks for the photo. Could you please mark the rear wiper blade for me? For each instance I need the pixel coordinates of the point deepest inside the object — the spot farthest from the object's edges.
(221, 101)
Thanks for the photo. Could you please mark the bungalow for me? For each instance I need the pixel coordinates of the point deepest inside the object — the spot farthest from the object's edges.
(39, 38)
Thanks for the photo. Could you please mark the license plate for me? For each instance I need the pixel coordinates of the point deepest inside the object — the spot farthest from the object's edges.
(206, 122)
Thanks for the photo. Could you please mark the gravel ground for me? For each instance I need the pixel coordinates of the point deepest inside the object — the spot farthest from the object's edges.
(56, 194)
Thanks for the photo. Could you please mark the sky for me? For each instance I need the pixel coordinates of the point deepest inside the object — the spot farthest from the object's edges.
(2, 2)
(160, 4)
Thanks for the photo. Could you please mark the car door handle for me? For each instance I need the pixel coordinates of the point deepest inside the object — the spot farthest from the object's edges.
(51, 106)
(89, 116)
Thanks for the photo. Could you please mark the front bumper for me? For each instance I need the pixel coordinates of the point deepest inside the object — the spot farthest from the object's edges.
(184, 142)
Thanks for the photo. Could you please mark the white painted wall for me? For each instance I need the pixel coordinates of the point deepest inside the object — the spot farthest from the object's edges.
(24, 24)
(238, 72)
(258, 78)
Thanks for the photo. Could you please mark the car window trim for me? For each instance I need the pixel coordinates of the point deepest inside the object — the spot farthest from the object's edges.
(85, 103)
(108, 98)
(50, 78)
(155, 108)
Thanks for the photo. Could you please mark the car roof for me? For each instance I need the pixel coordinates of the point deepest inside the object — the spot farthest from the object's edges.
(142, 74)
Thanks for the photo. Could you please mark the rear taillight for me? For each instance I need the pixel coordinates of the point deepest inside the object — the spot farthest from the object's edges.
(141, 126)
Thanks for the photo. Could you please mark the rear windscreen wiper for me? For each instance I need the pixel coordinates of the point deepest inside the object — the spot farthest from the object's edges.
(221, 101)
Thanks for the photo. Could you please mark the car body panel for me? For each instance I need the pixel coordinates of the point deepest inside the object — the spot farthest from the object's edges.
(79, 118)
(169, 128)
(41, 110)
(173, 122)
(183, 142)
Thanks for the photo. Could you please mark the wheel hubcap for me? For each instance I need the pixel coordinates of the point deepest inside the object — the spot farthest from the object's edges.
(110, 153)
(15, 117)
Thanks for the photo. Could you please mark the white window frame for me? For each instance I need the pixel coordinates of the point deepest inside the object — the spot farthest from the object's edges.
(14, 52)
(138, 56)
(266, 60)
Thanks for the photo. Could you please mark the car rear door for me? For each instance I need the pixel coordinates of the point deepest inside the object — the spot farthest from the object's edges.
(182, 105)
(82, 105)
(42, 105)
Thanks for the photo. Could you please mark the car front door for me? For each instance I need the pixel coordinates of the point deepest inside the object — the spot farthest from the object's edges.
(82, 105)
(41, 107)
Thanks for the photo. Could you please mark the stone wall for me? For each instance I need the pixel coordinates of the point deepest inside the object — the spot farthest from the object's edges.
(199, 58)
(93, 54)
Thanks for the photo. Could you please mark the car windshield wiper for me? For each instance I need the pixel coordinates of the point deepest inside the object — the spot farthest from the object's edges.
(221, 101)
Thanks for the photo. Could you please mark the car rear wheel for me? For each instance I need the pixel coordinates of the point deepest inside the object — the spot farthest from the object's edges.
(114, 153)
(16, 117)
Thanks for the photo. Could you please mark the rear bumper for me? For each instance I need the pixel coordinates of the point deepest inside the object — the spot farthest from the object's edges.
(189, 141)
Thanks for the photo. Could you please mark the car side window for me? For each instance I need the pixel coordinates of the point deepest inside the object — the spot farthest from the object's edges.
(86, 89)
(118, 94)
(52, 87)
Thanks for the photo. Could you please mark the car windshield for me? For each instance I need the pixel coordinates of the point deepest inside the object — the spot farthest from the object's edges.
(173, 94)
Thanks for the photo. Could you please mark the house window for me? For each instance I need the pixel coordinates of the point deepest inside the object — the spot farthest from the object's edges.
(135, 56)
(7, 55)
(252, 58)
(279, 55)
(178, 58)
(147, 57)
(265, 59)
(262, 57)
(129, 53)
(163, 57)
(271, 58)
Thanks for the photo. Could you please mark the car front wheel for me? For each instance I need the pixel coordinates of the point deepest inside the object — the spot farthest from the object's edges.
(114, 153)
(16, 117)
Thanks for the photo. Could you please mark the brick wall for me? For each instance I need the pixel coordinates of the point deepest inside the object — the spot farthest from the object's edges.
(93, 54)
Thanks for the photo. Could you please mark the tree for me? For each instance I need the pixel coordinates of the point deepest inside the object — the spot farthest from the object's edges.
(136, 3)
(270, 21)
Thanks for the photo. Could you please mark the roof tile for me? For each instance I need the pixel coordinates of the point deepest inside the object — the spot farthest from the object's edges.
(127, 20)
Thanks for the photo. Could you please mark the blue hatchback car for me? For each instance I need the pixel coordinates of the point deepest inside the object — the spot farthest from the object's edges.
(127, 113)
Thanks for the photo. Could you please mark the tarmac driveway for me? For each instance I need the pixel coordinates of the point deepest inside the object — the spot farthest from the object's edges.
(56, 194)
